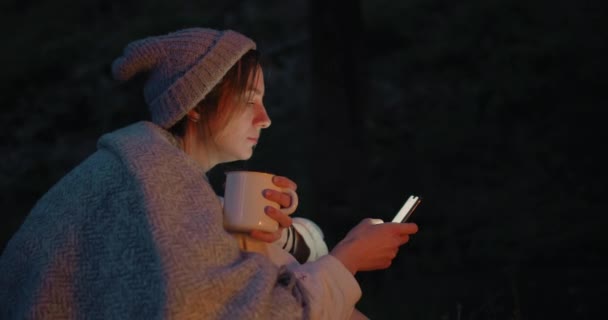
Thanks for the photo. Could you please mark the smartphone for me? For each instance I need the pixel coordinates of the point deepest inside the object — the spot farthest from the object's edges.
(408, 208)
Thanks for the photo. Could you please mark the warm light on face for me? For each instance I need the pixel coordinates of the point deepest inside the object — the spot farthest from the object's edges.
(240, 133)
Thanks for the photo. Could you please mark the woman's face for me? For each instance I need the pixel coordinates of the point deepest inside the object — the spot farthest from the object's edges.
(236, 139)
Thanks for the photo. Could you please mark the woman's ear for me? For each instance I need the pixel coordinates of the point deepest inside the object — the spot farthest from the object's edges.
(194, 116)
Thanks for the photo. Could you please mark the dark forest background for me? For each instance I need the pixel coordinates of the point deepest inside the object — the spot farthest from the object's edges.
(491, 110)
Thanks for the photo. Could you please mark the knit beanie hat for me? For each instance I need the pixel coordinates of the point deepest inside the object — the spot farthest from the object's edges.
(183, 67)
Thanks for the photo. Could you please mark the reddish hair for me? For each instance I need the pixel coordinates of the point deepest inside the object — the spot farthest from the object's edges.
(224, 100)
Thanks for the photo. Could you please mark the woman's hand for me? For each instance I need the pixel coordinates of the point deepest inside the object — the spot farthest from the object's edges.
(372, 245)
(284, 200)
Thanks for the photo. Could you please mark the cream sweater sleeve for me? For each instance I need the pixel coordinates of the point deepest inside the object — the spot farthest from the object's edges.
(332, 290)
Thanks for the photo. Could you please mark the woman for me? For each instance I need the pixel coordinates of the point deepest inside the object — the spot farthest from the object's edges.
(135, 231)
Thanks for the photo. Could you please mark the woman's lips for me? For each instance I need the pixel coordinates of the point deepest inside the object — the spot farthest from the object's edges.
(254, 140)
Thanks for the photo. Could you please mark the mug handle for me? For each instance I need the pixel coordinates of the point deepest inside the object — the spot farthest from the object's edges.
(294, 202)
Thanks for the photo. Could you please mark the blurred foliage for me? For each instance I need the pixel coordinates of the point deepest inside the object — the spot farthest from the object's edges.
(490, 110)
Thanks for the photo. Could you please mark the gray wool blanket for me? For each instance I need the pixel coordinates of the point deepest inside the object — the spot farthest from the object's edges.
(135, 231)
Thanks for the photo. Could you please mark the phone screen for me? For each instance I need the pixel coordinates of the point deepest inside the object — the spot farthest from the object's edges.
(406, 211)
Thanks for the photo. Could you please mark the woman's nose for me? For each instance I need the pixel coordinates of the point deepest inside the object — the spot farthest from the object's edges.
(262, 119)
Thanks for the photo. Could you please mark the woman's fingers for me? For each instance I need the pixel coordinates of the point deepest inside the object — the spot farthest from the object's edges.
(284, 182)
(276, 214)
(283, 199)
(408, 228)
(401, 228)
(269, 237)
(282, 219)
(404, 238)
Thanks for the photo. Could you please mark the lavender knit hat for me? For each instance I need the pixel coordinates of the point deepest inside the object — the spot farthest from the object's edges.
(184, 66)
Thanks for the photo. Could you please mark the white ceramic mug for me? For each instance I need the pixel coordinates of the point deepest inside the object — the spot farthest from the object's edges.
(244, 201)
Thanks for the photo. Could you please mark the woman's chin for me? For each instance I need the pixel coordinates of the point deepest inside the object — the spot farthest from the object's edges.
(237, 155)
(246, 155)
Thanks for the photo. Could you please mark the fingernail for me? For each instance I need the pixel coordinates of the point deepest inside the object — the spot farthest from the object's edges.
(266, 192)
(266, 209)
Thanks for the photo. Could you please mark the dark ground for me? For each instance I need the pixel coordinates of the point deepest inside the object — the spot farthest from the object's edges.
(492, 111)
